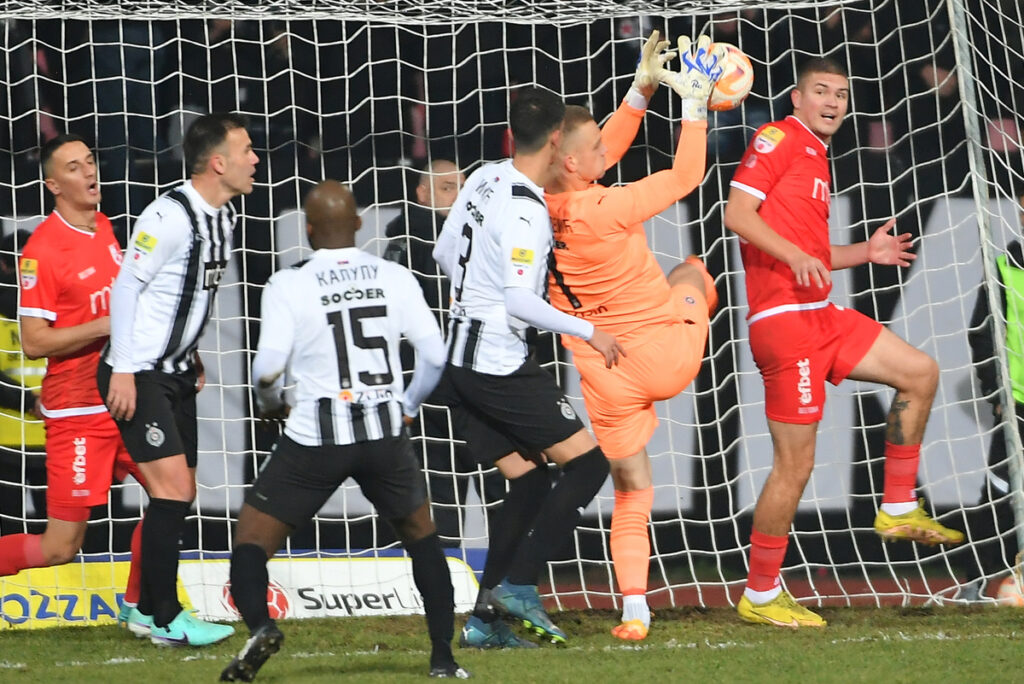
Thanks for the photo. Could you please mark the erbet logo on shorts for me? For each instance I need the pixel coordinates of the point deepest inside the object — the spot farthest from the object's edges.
(154, 435)
(803, 385)
(79, 463)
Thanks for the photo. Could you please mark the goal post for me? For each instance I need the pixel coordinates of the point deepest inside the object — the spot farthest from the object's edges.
(371, 92)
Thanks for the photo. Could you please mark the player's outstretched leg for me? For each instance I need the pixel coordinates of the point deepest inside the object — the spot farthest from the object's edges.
(630, 546)
(516, 595)
(901, 516)
(915, 525)
(915, 377)
(522, 601)
(526, 494)
(494, 634)
(264, 642)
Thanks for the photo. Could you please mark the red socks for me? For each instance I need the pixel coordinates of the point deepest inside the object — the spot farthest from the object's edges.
(134, 586)
(901, 461)
(19, 552)
(766, 555)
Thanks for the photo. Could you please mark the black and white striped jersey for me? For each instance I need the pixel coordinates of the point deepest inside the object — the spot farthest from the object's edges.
(339, 317)
(497, 235)
(178, 251)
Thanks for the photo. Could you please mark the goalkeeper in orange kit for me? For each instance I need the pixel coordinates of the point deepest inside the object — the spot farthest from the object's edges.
(603, 270)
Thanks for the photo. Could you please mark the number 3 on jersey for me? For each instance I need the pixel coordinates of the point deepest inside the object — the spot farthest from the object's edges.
(467, 232)
(336, 319)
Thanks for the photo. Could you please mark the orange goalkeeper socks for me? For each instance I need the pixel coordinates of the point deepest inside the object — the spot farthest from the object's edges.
(630, 543)
(901, 461)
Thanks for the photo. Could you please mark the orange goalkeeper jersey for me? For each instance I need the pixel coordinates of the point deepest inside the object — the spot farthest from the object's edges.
(601, 267)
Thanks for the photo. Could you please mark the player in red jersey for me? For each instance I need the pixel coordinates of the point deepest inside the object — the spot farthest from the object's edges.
(604, 271)
(67, 269)
(779, 207)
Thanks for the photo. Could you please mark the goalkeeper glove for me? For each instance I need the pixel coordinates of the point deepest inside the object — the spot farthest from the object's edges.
(648, 70)
(700, 70)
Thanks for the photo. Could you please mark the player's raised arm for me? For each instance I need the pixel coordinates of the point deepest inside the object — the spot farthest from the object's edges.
(620, 130)
(699, 70)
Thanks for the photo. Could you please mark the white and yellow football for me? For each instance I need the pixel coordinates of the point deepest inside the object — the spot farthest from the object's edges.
(1009, 593)
(737, 79)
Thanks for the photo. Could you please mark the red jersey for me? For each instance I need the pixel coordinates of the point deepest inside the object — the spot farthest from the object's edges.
(66, 277)
(786, 166)
(603, 269)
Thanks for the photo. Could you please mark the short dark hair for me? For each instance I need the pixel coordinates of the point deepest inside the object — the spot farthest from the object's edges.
(819, 65)
(534, 114)
(205, 134)
(575, 116)
(52, 145)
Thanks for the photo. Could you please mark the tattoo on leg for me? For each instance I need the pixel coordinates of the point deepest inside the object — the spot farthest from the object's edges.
(894, 423)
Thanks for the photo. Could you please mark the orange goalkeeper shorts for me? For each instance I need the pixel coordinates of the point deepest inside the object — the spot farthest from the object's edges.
(662, 359)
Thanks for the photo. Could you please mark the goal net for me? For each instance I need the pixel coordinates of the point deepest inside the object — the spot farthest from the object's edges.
(371, 93)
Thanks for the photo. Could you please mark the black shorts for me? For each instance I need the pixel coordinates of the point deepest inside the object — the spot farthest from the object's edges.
(524, 411)
(164, 423)
(296, 481)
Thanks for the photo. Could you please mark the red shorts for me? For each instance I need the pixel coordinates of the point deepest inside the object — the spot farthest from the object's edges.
(662, 359)
(84, 454)
(798, 351)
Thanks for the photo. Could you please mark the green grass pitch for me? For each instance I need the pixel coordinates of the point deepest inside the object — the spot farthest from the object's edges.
(943, 645)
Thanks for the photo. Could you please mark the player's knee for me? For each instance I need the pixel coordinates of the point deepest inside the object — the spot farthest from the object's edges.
(590, 470)
(686, 274)
(795, 465)
(631, 474)
(415, 526)
(919, 376)
(929, 375)
(61, 552)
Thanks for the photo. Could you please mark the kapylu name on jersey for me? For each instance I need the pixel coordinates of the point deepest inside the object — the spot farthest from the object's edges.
(341, 275)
